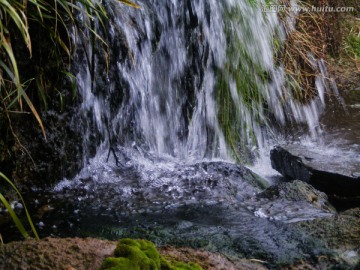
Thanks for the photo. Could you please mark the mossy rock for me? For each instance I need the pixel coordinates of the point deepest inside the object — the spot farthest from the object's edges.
(142, 255)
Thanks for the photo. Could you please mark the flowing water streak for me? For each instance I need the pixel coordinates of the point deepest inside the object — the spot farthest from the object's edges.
(169, 76)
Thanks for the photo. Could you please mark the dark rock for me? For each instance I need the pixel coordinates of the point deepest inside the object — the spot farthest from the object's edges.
(335, 175)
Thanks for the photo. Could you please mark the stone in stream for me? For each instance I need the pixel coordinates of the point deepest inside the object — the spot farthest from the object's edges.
(337, 176)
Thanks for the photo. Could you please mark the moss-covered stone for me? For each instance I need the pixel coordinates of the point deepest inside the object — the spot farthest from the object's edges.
(185, 266)
(142, 255)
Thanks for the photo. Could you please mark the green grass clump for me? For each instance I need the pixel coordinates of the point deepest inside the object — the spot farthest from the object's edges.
(142, 255)
(353, 42)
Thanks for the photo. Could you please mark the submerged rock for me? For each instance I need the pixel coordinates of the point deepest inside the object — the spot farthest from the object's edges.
(335, 175)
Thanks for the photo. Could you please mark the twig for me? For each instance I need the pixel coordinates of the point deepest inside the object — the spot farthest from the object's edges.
(17, 138)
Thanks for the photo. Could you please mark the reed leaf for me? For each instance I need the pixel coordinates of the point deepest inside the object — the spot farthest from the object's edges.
(33, 110)
(25, 208)
(14, 217)
(15, 16)
(129, 3)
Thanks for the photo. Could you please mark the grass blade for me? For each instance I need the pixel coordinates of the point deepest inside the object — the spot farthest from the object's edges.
(33, 110)
(23, 202)
(129, 3)
(14, 217)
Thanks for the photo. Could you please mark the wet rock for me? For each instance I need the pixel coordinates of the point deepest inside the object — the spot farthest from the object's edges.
(340, 232)
(291, 202)
(298, 191)
(335, 175)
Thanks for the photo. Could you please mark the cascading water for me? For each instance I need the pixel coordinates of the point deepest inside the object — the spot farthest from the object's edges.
(170, 70)
(166, 82)
(167, 77)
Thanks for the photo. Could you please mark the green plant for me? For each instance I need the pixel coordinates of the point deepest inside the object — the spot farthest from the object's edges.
(142, 255)
(353, 44)
(55, 17)
(241, 87)
(12, 213)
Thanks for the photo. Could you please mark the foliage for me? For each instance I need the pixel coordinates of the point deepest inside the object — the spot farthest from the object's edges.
(142, 255)
(352, 45)
(54, 16)
(303, 45)
(12, 213)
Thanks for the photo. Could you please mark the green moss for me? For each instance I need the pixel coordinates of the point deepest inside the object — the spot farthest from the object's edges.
(354, 44)
(142, 255)
(241, 86)
(185, 266)
(117, 263)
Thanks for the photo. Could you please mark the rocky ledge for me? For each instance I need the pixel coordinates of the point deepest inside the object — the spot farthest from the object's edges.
(89, 253)
(337, 176)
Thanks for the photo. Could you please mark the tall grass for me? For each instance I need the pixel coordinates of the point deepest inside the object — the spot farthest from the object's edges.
(55, 16)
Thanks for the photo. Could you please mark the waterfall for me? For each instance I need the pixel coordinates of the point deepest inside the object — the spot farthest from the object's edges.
(170, 71)
(178, 87)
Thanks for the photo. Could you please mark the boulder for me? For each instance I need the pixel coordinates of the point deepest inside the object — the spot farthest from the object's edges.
(336, 175)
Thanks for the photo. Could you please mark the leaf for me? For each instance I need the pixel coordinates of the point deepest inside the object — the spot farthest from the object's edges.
(23, 202)
(33, 110)
(129, 3)
(14, 217)
(19, 22)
